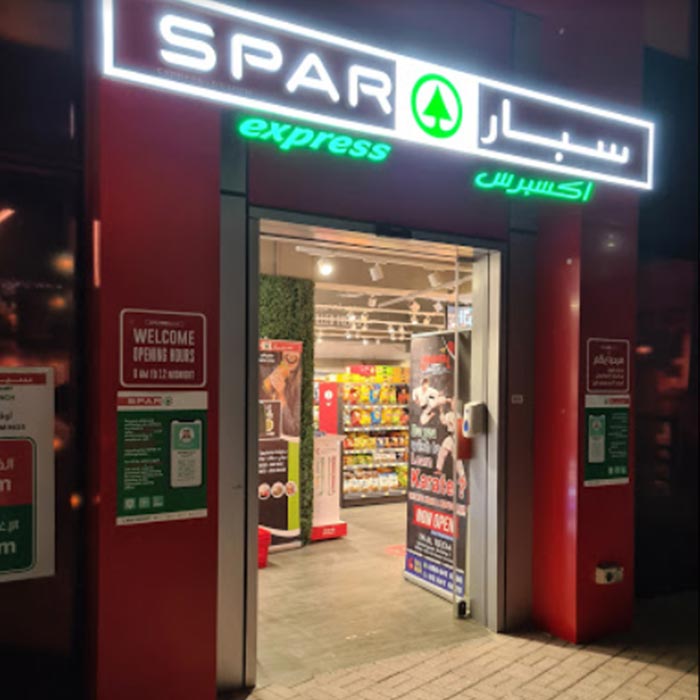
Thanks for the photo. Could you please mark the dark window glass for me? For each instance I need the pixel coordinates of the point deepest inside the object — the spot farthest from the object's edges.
(41, 619)
(40, 74)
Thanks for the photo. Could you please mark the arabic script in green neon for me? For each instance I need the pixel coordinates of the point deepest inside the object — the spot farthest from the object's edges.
(514, 186)
(290, 137)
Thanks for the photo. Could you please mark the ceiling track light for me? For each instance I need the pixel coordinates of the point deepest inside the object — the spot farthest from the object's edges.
(376, 272)
(325, 267)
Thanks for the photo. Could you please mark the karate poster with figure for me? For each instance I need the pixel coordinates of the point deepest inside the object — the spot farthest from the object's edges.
(279, 431)
(434, 532)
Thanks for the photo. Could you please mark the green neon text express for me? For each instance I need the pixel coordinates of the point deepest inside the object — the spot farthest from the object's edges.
(288, 137)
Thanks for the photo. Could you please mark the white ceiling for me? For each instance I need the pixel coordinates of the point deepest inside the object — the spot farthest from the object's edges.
(350, 306)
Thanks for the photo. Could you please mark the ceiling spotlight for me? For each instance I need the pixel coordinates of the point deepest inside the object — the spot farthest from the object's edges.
(351, 316)
(376, 272)
(434, 279)
(426, 321)
(391, 329)
(365, 327)
(364, 318)
(414, 319)
(414, 306)
(365, 341)
(348, 336)
(372, 302)
(325, 267)
(438, 307)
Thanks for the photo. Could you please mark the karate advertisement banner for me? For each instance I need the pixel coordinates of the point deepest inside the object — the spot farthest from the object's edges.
(27, 521)
(161, 456)
(436, 533)
(278, 441)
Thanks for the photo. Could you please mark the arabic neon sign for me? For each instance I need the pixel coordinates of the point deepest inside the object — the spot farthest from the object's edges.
(572, 191)
(290, 137)
(218, 52)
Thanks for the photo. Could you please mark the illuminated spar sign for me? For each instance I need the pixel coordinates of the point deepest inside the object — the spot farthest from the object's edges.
(514, 186)
(220, 53)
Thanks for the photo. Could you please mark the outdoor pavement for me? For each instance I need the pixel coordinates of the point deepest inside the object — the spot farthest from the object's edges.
(316, 645)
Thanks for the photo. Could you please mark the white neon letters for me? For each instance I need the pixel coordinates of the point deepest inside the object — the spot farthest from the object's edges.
(302, 77)
(560, 146)
(291, 71)
(241, 44)
(379, 86)
(201, 56)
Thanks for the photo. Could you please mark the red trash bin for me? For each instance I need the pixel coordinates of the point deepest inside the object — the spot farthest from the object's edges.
(264, 539)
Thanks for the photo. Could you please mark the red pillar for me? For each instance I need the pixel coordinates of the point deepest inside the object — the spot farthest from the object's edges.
(155, 192)
(585, 289)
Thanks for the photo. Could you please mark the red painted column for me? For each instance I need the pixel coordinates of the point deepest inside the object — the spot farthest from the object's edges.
(556, 464)
(586, 272)
(595, 51)
(155, 191)
(606, 514)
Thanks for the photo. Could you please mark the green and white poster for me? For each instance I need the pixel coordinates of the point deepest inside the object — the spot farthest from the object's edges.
(27, 517)
(161, 456)
(607, 440)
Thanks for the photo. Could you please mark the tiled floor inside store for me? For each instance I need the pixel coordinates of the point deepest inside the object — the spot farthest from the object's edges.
(344, 602)
(337, 621)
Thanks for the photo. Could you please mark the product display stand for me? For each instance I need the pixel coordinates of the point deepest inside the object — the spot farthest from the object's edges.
(327, 460)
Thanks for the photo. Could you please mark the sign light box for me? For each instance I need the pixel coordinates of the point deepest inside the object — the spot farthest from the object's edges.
(218, 52)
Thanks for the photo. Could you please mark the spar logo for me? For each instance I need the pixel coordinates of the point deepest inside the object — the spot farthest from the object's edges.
(436, 106)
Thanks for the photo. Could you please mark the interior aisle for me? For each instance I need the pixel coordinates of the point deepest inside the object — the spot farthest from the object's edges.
(344, 602)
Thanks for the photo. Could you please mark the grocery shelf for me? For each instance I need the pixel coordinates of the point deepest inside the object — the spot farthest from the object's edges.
(375, 465)
(357, 499)
(374, 428)
(350, 406)
(370, 450)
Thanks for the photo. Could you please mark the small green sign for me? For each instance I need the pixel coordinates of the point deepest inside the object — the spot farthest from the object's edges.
(436, 106)
(293, 137)
(607, 440)
(516, 186)
(161, 457)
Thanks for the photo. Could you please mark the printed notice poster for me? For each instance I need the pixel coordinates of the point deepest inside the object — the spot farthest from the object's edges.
(608, 366)
(278, 441)
(607, 440)
(162, 349)
(161, 456)
(434, 529)
(26, 473)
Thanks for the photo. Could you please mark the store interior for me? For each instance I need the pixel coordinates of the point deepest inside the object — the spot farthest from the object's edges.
(342, 599)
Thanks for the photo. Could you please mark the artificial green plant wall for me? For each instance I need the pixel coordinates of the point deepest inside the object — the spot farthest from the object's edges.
(287, 313)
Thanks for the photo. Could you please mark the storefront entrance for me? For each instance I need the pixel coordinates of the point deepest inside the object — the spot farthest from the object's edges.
(370, 347)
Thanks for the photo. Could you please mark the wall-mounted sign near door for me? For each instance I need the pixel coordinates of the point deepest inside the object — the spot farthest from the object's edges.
(217, 52)
(27, 499)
